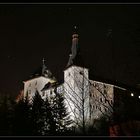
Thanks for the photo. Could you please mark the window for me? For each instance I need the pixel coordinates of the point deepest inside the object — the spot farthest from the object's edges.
(69, 73)
(43, 93)
(90, 106)
(95, 107)
(35, 83)
(90, 94)
(100, 99)
(50, 92)
(81, 73)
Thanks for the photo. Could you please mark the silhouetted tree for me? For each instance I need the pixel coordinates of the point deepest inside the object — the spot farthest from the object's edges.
(63, 118)
(50, 123)
(37, 115)
(22, 118)
(6, 115)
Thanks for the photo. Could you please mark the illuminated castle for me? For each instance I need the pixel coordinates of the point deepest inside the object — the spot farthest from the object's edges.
(85, 99)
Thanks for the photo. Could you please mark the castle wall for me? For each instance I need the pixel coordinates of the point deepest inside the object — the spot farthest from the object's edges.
(101, 99)
(76, 89)
(32, 85)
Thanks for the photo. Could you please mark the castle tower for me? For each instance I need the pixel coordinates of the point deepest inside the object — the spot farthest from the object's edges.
(38, 80)
(76, 84)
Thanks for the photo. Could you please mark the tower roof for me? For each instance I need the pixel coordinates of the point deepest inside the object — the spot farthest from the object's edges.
(43, 71)
(75, 58)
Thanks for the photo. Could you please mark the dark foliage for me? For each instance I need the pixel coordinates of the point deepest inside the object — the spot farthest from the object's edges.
(6, 115)
(22, 118)
(40, 117)
(37, 115)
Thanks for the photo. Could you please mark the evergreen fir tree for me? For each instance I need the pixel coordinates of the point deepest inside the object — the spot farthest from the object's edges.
(37, 115)
(50, 123)
(62, 116)
(6, 115)
(22, 118)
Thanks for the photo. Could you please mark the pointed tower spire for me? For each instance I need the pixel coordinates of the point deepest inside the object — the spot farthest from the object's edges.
(43, 66)
(74, 48)
(74, 56)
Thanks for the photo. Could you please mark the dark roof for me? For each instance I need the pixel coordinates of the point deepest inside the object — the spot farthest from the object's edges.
(42, 71)
(115, 83)
(49, 85)
(77, 61)
(37, 72)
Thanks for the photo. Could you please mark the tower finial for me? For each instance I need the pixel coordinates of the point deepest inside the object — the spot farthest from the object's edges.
(43, 61)
(75, 29)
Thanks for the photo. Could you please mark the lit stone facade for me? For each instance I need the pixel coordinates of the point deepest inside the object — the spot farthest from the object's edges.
(101, 99)
(85, 99)
(35, 84)
(76, 91)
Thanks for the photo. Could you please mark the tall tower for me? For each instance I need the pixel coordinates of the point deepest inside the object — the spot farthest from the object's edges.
(38, 81)
(76, 85)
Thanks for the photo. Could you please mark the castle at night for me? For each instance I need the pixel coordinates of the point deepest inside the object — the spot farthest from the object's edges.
(85, 98)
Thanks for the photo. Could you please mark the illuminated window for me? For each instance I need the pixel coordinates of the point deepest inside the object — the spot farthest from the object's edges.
(139, 97)
(132, 94)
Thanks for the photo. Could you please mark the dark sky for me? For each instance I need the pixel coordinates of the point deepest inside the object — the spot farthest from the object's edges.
(109, 38)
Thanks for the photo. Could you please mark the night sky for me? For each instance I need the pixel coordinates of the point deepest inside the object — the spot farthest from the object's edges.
(109, 39)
